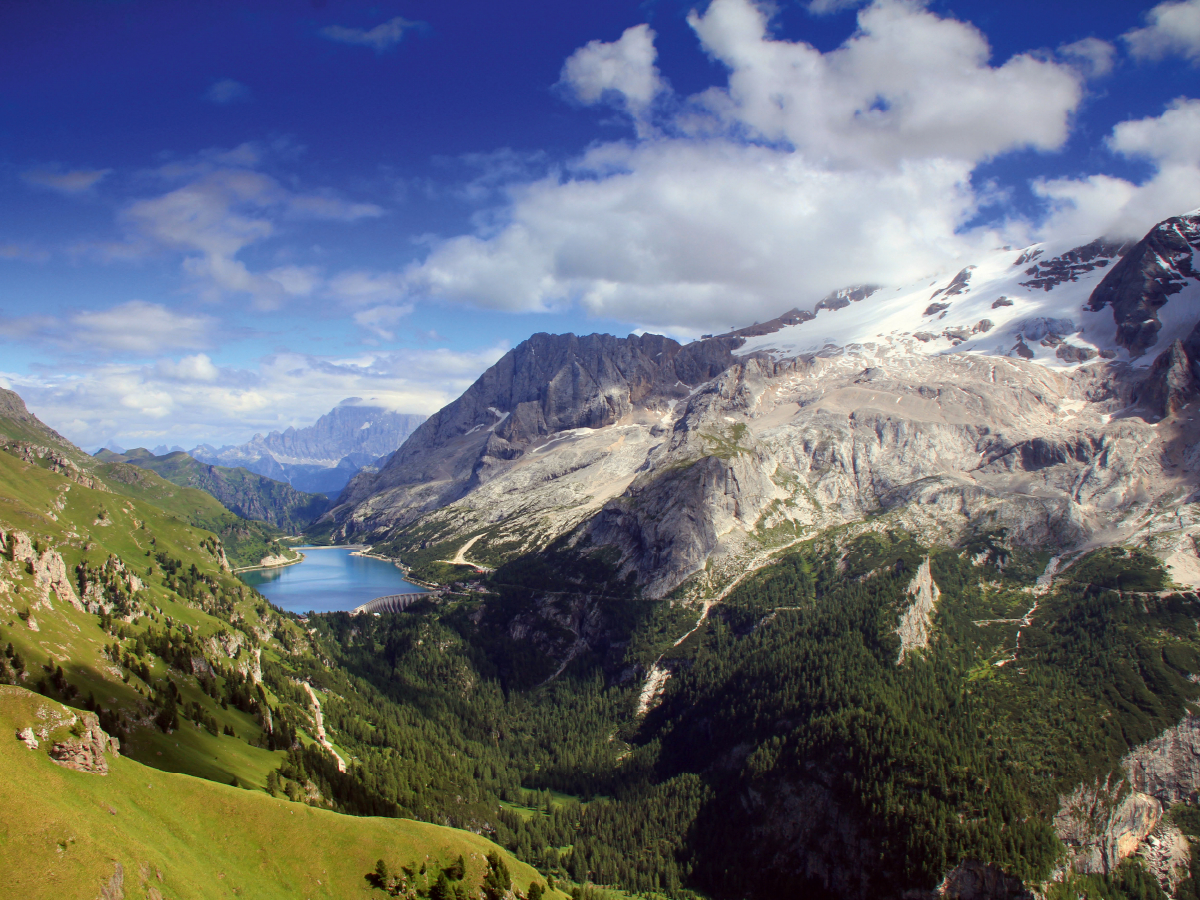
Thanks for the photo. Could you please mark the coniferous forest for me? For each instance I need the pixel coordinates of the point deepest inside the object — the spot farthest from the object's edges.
(787, 730)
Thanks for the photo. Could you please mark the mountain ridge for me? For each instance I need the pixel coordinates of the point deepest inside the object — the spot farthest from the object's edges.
(244, 493)
(322, 457)
(1013, 420)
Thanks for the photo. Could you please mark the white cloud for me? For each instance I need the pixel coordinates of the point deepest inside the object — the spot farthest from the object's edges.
(359, 288)
(1092, 56)
(141, 328)
(382, 320)
(907, 85)
(134, 328)
(1102, 204)
(222, 208)
(827, 7)
(1172, 139)
(1173, 28)
(227, 91)
(24, 252)
(193, 400)
(76, 181)
(808, 172)
(380, 38)
(621, 69)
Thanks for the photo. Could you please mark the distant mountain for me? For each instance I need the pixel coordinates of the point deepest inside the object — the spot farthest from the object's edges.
(323, 457)
(248, 494)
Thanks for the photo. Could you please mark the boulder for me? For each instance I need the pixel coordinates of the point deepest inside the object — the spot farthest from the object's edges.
(86, 753)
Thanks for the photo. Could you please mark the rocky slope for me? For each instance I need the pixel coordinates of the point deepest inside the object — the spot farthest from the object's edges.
(987, 398)
(324, 456)
(245, 493)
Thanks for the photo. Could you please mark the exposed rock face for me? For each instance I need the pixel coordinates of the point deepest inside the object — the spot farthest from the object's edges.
(1168, 767)
(974, 880)
(86, 753)
(49, 571)
(28, 738)
(319, 726)
(1050, 273)
(1173, 381)
(917, 620)
(685, 459)
(547, 385)
(114, 888)
(1105, 822)
(1159, 265)
(1167, 854)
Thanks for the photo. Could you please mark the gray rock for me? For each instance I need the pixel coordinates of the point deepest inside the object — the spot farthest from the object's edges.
(1157, 266)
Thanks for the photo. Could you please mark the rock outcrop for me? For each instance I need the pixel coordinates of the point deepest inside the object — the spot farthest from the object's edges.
(1174, 379)
(547, 385)
(1105, 822)
(975, 880)
(1157, 266)
(917, 619)
(1168, 767)
(49, 571)
(87, 752)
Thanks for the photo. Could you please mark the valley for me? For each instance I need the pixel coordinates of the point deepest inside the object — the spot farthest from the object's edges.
(731, 619)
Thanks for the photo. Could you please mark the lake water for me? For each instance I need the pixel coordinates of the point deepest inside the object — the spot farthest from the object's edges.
(328, 580)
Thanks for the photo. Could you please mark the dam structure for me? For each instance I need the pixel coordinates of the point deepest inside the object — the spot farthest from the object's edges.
(392, 602)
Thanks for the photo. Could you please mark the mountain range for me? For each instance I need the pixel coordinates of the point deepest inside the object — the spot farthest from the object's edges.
(1039, 390)
(893, 596)
(324, 456)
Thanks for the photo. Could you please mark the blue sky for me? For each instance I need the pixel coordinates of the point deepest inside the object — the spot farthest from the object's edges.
(222, 218)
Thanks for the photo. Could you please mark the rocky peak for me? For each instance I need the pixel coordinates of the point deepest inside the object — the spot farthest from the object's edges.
(546, 385)
(1159, 265)
(13, 407)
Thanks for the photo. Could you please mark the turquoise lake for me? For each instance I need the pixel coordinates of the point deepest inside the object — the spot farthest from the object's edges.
(329, 579)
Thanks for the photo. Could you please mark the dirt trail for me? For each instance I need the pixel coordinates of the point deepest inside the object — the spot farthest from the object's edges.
(319, 719)
(460, 558)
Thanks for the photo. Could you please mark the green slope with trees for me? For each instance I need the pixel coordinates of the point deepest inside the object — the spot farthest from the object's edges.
(239, 490)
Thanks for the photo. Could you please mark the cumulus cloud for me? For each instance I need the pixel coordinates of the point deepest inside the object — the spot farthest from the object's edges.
(808, 171)
(220, 209)
(192, 399)
(75, 181)
(1092, 56)
(380, 38)
(227, 91)
(623, 70)
(1103, 204)
(1172, 28)
(907, 85)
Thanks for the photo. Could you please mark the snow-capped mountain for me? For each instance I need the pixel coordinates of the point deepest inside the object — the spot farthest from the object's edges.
(1060, 305)
(1047, 391)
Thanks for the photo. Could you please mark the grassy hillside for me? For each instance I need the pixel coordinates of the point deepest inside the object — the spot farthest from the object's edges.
(63, 832)
(243, 492)
(169, 659)
(246, 542)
